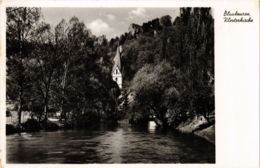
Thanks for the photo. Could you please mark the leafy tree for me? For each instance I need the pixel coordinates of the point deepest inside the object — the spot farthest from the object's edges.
(46, 63)
(21, 23)
(155, 89)
(85, 72)
(165, 21)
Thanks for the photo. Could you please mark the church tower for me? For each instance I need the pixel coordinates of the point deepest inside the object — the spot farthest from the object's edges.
(117, 68)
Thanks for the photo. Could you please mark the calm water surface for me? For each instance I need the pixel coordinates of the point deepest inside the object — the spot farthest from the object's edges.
(119, 145)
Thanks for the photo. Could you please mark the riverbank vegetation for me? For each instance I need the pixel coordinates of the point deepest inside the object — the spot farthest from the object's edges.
(65, 71)
(174, 77)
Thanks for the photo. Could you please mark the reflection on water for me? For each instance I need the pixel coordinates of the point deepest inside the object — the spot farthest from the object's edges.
(120, 145)
(151, 127)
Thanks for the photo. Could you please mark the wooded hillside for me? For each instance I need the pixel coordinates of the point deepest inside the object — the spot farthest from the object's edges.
(167, 64)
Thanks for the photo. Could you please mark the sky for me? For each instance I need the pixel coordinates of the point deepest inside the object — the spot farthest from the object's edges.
(110, 22)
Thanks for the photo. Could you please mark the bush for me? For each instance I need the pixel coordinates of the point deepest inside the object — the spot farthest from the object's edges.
(31, 125)
(50, 126)
(10, 129)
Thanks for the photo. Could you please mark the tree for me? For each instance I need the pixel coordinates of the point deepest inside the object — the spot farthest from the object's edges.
(165, 22)
(20, 30)
(156, 91)
(47, 62)
(85, 71)
(62, 45)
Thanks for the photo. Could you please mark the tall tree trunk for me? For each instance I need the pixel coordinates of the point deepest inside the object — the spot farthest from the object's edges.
(20, 107)
(63, 85)
(21, 78)
(40, 117)
(46, 100)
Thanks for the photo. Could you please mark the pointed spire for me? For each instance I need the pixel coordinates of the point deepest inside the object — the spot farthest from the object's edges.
(117, 59)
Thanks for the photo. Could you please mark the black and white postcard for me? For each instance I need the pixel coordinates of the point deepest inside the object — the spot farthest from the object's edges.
(87, 83)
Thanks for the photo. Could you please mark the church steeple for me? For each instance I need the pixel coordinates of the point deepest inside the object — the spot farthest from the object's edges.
(117, 67)
(117, 59)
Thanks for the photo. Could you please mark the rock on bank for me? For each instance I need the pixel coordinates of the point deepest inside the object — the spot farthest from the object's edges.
(199, 126)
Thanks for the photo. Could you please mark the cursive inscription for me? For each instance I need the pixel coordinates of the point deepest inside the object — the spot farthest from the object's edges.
(237, 16)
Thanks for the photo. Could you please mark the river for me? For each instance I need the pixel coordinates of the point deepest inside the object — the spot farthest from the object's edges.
(118, 145)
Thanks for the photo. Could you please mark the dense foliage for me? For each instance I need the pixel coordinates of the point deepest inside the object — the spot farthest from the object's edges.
(58, 71)
(168, 69)
(172, 72)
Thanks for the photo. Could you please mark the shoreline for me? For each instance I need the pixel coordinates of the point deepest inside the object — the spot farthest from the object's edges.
(200, 127)
(197, 126)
